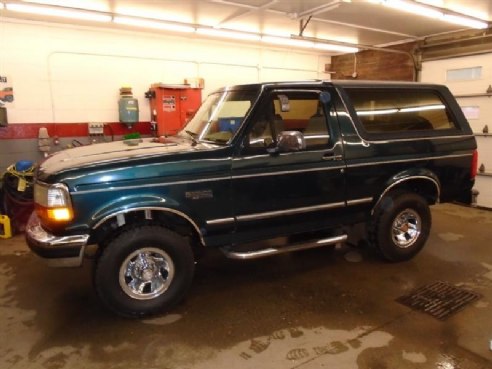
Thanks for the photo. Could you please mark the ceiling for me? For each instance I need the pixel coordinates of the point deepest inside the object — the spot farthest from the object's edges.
(362, 22)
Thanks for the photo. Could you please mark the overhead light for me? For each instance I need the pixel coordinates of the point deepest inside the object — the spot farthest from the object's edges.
(340, 48)
(434, 13)
(413, 8)
(287, 41)
(228, 34)
(147, 23)
(464, 21)
(59, 12)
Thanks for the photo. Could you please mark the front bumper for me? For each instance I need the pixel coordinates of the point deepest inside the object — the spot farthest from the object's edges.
(65, 251)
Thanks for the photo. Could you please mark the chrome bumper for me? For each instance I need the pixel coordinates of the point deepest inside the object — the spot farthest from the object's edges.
(66, 251)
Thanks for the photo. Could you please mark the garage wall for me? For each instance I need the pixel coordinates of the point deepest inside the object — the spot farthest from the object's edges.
(471, 93)
(65, 76)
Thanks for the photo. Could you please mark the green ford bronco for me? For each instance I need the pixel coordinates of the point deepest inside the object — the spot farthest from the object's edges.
(300, 161)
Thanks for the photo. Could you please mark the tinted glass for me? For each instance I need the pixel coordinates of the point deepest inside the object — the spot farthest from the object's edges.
(396, 110)
(291, 111)
(220, 116)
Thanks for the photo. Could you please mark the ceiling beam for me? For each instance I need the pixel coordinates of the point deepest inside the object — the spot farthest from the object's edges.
(245, 11)
(319, 9)
(295, 16)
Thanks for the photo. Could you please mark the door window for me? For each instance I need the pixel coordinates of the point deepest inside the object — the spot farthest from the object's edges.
(290, 111)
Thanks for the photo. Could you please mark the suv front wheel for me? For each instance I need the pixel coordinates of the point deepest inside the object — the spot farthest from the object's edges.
(144, 271)
(401, 225)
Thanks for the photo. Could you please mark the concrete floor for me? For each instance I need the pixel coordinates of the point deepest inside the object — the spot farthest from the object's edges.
(314, 309)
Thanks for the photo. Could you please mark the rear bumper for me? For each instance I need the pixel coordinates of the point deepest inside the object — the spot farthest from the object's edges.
(66, 251)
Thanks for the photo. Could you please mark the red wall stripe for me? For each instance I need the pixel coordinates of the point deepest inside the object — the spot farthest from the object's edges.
(31, 130)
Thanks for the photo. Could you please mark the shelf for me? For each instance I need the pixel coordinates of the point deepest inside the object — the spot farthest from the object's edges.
(482, 134)
(474, 95)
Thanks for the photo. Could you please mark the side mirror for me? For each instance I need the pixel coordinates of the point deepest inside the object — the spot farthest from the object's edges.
(290, 141)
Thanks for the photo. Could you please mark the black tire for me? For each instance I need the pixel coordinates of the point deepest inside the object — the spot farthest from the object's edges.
(411, 216)
(144, 271)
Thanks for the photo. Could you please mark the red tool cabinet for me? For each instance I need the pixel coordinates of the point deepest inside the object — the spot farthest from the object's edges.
(172, 106)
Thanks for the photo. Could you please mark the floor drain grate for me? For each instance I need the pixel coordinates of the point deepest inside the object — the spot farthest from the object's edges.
(439, 299)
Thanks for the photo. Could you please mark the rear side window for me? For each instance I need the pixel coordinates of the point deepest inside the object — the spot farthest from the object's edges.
(397, 110)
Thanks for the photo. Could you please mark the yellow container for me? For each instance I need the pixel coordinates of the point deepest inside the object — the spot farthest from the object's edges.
(5, 229)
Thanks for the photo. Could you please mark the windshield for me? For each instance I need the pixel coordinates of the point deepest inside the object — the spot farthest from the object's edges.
(220, 116)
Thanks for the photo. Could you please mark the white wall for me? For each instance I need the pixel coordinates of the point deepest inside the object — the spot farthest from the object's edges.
(66, 74)
(435, 71)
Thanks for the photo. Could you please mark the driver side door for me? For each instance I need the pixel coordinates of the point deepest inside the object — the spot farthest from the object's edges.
(280, 193)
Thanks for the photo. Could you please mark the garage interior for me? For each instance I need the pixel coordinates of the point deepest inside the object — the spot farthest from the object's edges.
(70, 70)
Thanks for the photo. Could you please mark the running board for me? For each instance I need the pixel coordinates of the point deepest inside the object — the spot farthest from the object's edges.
(256, 254)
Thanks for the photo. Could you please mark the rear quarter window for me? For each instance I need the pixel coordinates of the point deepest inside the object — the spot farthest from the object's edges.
(397, 112)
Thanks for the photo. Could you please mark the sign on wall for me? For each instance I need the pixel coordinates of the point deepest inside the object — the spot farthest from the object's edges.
(6, 90)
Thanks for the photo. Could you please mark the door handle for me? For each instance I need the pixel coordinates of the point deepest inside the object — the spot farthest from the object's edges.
(332, 156)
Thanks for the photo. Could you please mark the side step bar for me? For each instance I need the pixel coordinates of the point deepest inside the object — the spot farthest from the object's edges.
(256, 254)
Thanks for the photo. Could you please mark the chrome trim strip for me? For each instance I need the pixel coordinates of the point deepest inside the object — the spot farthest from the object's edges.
(150, 208)
(122, 188)
(364, 200)
(272, 214)
(220, 221)
(266, 174)
(306, 209)
(409, 159)
(416, 139)
(288, 172)
(438, 188)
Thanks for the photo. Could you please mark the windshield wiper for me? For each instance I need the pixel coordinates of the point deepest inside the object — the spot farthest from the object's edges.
(193, 136)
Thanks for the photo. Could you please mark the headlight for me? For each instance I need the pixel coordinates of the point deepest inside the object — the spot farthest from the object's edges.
(53, 202)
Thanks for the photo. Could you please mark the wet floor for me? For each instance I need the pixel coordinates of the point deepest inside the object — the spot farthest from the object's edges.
(313, 309)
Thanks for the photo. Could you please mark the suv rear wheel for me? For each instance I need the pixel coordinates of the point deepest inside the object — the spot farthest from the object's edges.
(143, 271)
(401, 225)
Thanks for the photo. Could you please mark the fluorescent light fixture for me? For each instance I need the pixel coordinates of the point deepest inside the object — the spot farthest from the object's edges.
(59, 12)
(332, 47)
(287, 41)
(434, 13)
(228, 34)
(413, 8)
(464, 21)
(147, 23)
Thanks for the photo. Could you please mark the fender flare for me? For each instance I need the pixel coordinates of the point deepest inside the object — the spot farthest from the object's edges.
(406, 176)
(146, 205)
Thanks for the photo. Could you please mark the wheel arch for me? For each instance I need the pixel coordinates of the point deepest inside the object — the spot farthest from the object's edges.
(171, 218)
(422, 182)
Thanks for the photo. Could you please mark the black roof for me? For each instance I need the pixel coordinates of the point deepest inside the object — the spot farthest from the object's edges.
(340, 83)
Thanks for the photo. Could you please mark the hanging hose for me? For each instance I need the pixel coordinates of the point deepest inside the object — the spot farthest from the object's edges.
(18, 197)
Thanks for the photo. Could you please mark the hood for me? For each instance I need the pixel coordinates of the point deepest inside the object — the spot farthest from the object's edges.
(113, 152)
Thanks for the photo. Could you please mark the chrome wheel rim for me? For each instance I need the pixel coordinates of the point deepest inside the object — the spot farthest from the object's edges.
(146, 273)
(406, 228)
